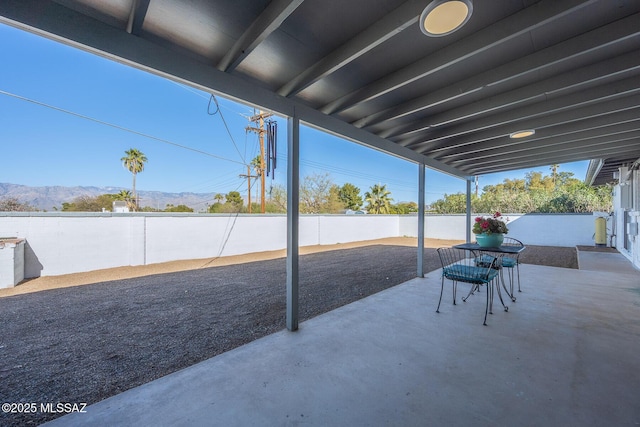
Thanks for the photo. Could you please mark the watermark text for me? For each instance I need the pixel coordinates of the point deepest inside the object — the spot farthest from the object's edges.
(48, 408)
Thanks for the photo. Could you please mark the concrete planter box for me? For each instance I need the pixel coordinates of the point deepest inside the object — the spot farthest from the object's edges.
(11, 261)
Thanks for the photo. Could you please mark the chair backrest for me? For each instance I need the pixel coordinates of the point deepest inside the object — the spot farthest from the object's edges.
(449, 256)
(461, 265)
(510, 241)
(512, 259)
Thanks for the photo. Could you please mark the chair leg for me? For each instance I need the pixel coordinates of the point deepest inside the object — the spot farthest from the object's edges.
(511, 287)
(455, 290)
(486, 310)
(471, 292)
(518, 271)
(504, 285)
(497, 285)
(440, 300)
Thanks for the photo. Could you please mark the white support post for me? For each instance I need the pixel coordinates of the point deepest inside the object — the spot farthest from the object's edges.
(293, 190)
(468, 210)
(421, 187)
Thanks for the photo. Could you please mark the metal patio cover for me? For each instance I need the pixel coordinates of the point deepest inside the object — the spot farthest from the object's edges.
(362, 69)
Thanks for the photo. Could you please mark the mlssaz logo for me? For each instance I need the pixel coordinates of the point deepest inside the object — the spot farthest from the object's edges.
(63, 408)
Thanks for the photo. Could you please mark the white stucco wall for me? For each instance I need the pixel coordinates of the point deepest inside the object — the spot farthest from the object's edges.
(553, 230)
(633, 253)
(57, 244)
(62, 243)
(189, 237)
(435, 226)
(532, 229)
(349, 228)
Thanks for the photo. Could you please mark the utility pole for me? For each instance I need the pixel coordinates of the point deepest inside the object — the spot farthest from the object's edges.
(260, 130)
(249, 176)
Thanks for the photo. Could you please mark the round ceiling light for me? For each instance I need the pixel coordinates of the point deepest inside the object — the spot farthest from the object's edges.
(443, 17)
(522, 134)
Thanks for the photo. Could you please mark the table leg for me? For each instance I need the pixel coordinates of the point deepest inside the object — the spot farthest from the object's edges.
(506, 308)
(504, 285)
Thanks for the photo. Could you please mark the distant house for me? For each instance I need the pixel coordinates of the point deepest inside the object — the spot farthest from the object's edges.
(120, 206)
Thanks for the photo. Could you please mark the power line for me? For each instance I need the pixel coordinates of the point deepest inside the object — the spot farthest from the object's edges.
(219, 113)
(335, 169)
(355, 174)
(352, 173)
(189, 89)
(102, 122)
(208, 185)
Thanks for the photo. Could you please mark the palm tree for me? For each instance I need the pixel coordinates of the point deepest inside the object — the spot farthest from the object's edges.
(378, 199)
(134, 162)
(125, 196)
(554, 172)
(257, 165)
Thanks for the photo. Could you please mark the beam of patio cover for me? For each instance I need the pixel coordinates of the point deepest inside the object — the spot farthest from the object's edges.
(625, 32)
(527, 20)
(136, 17)
(392, 24)
(269, 21)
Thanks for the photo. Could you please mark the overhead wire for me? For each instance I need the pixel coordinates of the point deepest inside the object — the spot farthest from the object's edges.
(226, 126)
(335, 169)
(122, 128)
(311, 163)
(224, 241)
(352, 173)
(189, 89)
(219, 181)
(218, 111)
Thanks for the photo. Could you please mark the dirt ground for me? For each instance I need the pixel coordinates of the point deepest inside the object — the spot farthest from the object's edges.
(119, 273)
(81, 338)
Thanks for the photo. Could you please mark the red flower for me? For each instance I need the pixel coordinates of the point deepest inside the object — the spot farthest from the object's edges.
(490, 224)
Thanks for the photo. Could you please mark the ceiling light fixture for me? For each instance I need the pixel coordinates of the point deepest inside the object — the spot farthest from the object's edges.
(443, 17)
(522, 134)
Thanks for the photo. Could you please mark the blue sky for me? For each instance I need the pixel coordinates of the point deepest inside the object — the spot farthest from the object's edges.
(67, 116)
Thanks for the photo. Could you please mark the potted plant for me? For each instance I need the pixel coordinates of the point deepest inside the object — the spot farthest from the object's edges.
(490, 230)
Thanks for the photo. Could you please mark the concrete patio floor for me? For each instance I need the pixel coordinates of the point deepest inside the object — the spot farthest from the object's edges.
(566, 353)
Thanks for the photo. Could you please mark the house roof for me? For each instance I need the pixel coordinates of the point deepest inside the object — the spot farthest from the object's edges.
(362, 69)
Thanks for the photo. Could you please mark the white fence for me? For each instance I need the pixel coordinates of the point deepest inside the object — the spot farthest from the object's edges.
(533, 229)
(60, 243)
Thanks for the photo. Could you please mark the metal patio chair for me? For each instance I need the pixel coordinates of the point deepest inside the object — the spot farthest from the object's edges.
(459, 265)
(508, 261)
(512, 262)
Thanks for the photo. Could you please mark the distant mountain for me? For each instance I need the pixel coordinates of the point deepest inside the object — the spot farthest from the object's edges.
(48, 198)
